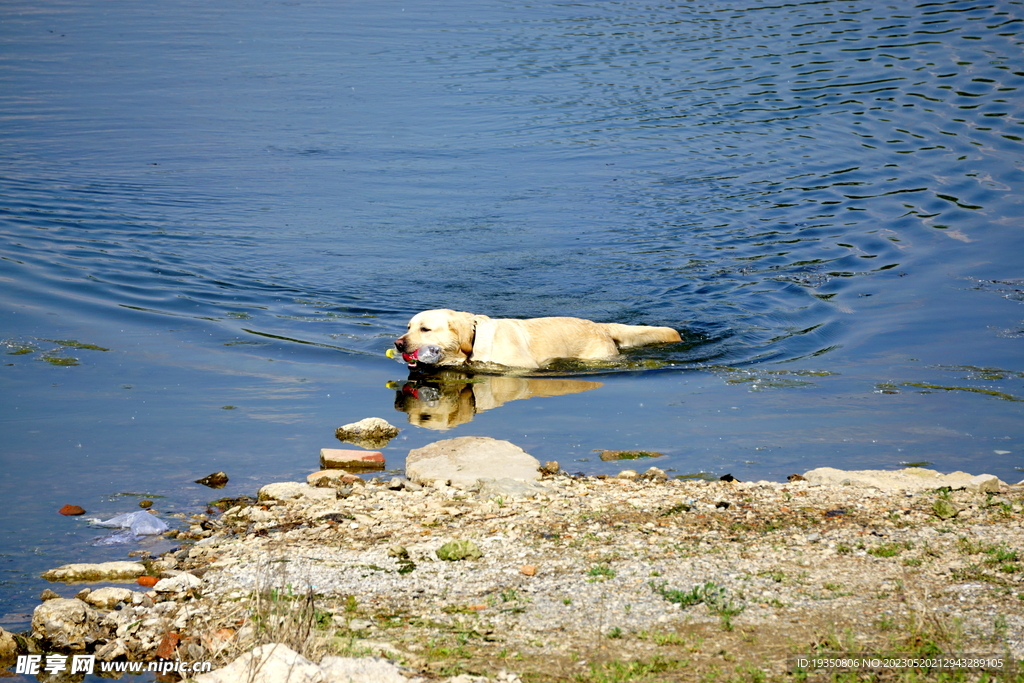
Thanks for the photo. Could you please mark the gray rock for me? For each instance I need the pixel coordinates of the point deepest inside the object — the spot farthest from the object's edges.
(107, 597)
(551, 467)
(654, 474)
(274, 663)
(8, 645)
(466, 459)
(508, 488)
(983, 483)
(105, 571)
(178, 584)
(361, 670)
(292, 490)
(112, 650)
(360, 625)
(65, 624)
(908, 479)
(370, 432)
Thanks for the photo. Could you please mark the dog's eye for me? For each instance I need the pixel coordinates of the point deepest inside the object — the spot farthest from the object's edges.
(424, 329)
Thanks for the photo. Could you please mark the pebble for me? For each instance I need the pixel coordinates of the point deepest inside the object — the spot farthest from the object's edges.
(578, 557)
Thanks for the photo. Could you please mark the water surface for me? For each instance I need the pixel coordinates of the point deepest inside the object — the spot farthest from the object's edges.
(215, 217)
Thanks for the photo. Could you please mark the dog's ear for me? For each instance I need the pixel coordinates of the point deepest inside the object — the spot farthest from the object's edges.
(464, 327)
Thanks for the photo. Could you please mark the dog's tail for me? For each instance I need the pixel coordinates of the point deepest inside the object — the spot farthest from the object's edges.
(626, 336)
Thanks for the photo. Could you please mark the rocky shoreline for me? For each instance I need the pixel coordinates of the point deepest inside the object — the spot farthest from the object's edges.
(568, 578)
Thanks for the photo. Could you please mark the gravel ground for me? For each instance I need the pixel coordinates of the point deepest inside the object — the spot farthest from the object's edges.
(654, 579)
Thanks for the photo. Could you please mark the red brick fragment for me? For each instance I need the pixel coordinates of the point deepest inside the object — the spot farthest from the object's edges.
(168, 645)
(340, 458)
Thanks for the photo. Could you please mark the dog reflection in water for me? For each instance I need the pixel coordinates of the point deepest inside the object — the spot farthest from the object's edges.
(451, 398)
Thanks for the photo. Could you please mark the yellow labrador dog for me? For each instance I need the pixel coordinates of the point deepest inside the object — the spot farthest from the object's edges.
(445, 337)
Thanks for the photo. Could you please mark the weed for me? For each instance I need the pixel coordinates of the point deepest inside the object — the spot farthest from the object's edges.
(886, 550)
(677, 509)
(600, 572)
(667, 638)
(711, 594)
(684, 599)
(623, 672)
(282, 615)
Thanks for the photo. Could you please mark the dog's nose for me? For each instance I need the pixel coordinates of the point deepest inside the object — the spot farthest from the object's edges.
(400, 343)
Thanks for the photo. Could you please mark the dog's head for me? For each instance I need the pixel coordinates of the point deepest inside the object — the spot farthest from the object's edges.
(437, 337)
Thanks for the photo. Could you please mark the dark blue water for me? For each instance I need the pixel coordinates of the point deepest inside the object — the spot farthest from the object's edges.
(243, 203)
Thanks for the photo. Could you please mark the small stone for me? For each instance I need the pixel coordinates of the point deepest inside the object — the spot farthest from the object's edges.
(654, 474)
(627, 474)
(944, 509)
(728, 478)
(795, 477)
(330, 478)
(145, 504)
(71, 510)
(528, 570)
(112, 650)
(370, 432)
(723, 504)
(398, 551)
(217, 480)
(147, 581)
(454, 551)
(48, 594)
(550, 467)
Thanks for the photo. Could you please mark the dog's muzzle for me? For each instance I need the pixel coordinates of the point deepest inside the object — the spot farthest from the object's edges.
(425, 355)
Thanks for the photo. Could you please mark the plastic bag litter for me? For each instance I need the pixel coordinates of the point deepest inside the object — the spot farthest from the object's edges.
(139, 523)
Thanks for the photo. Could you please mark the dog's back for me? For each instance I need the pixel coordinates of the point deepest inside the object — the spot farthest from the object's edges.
(627, 336)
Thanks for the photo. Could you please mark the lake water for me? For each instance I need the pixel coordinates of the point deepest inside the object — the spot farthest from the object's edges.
(241, 204)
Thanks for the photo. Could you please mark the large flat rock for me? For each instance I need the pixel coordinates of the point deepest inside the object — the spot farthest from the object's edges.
(908, 479)
(105, 571)
(464, 460)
